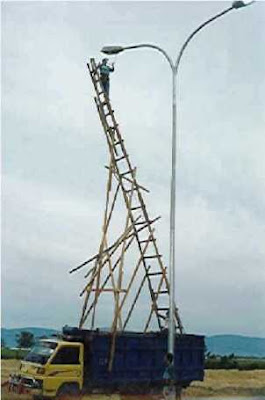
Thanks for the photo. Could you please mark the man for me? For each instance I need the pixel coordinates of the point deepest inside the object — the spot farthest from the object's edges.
(105, 70)
(169, 391)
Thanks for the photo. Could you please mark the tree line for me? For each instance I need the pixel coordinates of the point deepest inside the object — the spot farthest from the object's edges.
(24, 339)
(231, 361)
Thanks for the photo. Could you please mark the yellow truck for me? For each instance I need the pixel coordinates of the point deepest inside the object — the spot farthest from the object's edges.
(52, 368)
(79, 362)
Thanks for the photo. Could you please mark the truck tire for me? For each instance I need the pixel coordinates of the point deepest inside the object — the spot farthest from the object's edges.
(68, 390)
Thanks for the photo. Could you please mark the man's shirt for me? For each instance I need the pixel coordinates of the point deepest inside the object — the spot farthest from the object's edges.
(105, 70)
(169, 373)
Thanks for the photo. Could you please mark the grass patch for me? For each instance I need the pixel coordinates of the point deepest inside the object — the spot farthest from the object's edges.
(233, 362)
(11, 354)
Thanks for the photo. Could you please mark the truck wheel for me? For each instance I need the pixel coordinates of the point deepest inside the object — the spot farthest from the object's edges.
(68, 390)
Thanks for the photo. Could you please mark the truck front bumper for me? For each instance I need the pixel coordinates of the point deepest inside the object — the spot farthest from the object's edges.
(25, 384)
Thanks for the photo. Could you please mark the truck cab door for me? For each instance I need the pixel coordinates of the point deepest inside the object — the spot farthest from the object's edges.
(65, 367)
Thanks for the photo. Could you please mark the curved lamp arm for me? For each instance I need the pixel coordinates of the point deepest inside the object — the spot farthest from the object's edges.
(196, 31)
(155, 47)
(110, 50)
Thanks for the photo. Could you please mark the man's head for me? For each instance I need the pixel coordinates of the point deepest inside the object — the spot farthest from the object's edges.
(105, 60)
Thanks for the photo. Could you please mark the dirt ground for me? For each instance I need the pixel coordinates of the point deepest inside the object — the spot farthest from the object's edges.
(216, 383)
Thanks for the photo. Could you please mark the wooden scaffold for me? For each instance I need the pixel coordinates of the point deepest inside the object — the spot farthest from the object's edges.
(132, 262)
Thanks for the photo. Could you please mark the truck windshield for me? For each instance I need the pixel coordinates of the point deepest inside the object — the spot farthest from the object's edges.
(41, 352)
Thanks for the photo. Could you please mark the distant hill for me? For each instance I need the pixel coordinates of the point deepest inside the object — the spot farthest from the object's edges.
(243, 346)
(9, 335)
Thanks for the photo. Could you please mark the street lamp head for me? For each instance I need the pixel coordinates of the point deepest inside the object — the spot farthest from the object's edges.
(241, 3)
(111, 49)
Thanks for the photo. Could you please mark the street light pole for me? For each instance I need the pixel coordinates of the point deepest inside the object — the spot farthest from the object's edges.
(174, 69)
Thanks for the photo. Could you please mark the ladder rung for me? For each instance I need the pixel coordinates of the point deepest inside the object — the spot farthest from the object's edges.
(109, 290)
(162, 292)
(128, 191)
(103, 94)
(121, 158)
(135, 208)
(149, 222)
(155, 256)
(111, 129)
(109, 113)
(155, 273)
(119, 142)
(162, 308)
(142, 222)
(127, 172)
(148, 240)
(161, 316)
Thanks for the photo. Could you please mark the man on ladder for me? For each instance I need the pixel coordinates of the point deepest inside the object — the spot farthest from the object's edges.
(105, 70)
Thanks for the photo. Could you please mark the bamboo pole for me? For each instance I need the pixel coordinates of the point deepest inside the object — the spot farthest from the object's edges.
(135, 299)
(133, 277)
(103, 242)
(132, 236)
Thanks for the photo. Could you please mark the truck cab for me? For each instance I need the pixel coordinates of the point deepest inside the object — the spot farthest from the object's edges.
(52, 368)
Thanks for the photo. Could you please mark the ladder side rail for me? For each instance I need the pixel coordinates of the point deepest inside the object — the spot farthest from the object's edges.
(130, 181)
(119, 283)
(154, 306)
(117, 315)
(106, 222)
(125, 195)
(133, 277)
(140, 197)
(88, 293)
(96, 80)
(117, 244)
(135, 300)
(116, 289)
(131, 237)
(108, 277)
(144, 210)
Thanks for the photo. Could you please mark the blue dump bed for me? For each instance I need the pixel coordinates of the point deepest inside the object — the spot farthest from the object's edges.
(139, 357)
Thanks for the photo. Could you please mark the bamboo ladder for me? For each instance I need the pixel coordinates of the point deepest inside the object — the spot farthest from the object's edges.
(138, 228)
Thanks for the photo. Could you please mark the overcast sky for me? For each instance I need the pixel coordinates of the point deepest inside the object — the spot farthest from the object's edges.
(54, 152)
